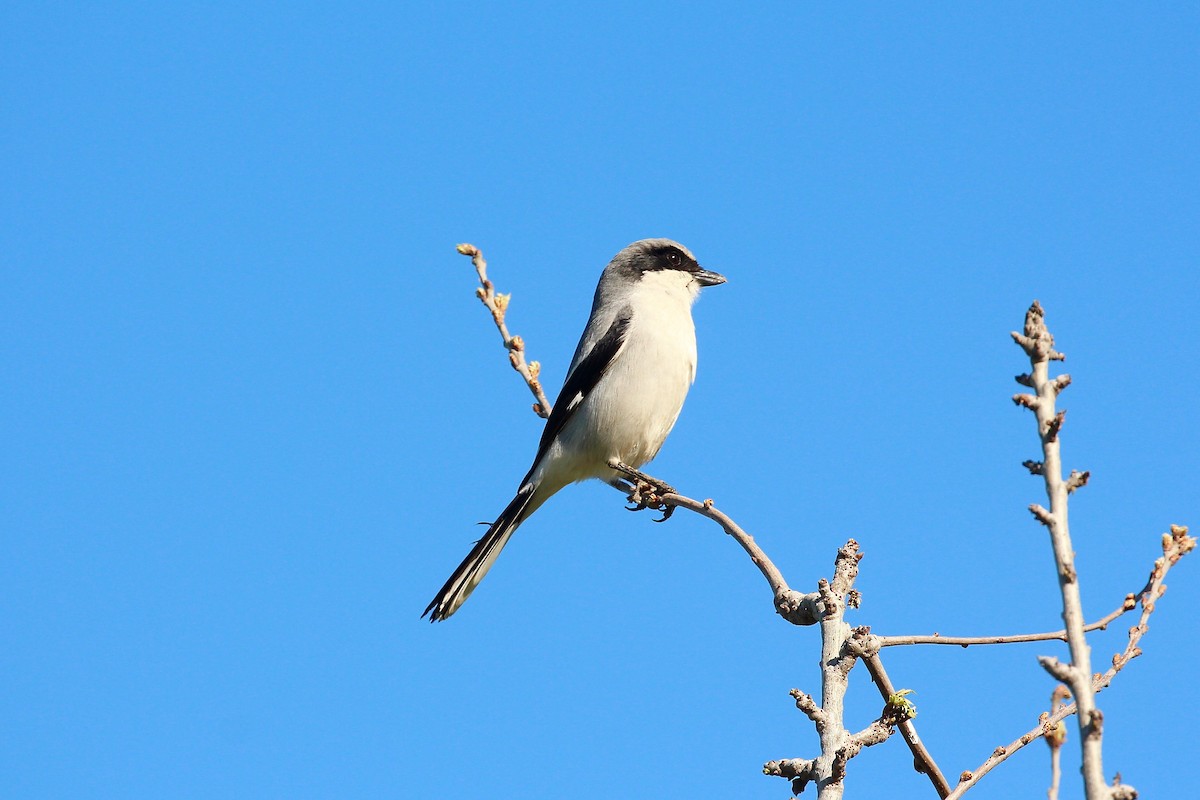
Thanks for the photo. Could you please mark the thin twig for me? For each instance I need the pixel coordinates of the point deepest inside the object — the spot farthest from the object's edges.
(515, 345)
(795, 607)
(1054, 739)
(1055, 767)
(806, 704)
(1176, 545)
(1127, 605)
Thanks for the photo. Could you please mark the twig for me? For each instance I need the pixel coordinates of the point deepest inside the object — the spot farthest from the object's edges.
(1054, 739)
(806, 703)
(795, 607)
(1056, 764)
(1127, 605)
(1038, 344)
(800, 771)
(1176, 545)
(867, 648)
(515, 345)
(1122, 792)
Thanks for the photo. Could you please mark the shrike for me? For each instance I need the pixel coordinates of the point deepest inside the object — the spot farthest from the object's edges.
(623, 392)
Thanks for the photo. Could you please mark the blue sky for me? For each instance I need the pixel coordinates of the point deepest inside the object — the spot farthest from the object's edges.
(252, 411)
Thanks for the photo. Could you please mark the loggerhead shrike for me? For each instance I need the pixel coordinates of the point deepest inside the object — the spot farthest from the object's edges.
(623, 392)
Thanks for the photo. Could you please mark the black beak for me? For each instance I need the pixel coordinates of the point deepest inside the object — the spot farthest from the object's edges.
(706, 278)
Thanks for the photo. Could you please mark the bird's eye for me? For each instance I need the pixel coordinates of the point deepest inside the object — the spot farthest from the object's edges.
(674, 259)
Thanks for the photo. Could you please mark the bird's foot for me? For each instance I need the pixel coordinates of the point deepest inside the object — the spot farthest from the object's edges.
(645, 491)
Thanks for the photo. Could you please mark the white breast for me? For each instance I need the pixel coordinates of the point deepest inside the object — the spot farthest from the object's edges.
(642, 394)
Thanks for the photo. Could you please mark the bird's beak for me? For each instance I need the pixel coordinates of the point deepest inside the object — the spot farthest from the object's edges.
(706, 278)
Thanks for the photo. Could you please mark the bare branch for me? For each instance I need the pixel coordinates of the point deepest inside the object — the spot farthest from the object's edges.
(1129, 604)
(838, 656)
(1055, 737)
(808, 705)
(875, 733)
(1077, 480)
(1051, 427)
(1026, 401)
(841, 758)
(1060, 671)
(868, 650)
(1055, 768)
(1047, 722)
(1176, 545)
(845, 568)
(1041, 514)
(836, 663)
(1038, 344)
(498, 305)
(800, 771)
(795, 607)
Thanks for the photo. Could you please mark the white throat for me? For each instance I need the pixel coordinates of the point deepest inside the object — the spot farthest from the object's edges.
(670, 285)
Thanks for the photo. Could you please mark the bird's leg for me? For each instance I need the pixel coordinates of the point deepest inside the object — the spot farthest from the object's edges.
(621, 485)
(638, 476)
(644, 491)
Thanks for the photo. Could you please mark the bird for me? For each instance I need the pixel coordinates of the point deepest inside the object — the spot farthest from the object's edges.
(622, 394)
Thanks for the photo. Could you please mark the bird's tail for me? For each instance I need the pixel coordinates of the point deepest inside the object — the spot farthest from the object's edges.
(471, 571)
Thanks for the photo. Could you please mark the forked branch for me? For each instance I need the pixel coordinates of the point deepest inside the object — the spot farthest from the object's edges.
(1175, 545)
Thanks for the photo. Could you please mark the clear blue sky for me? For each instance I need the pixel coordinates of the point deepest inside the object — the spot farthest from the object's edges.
(251, 410)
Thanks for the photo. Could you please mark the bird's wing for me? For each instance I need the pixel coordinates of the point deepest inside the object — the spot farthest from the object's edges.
(583, 378)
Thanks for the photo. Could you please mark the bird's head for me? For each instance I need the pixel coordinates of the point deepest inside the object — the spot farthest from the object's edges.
(663, 260)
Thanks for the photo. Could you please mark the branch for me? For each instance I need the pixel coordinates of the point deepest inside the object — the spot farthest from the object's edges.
(1176, 545)
(796, 608)
(800, 771)
(867, 647)
(1038, 344)
(877, 732)
(1127, 605)
(1047, 723)
(1054, 739)
(515, 345)
(808, 705)
(838, 657)
(836, 663)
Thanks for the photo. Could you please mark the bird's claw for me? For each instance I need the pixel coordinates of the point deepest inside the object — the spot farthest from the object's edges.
(646, 491)
(646, 494)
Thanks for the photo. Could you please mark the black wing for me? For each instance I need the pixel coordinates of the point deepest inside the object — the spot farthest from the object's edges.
(583, 379)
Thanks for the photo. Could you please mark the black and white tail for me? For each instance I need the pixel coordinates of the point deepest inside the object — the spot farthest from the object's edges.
(471, 571)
